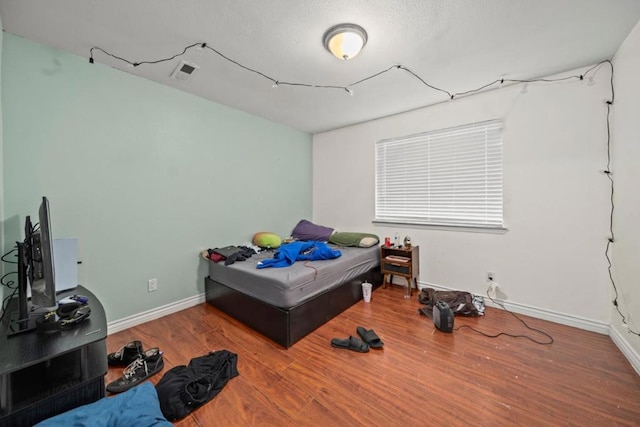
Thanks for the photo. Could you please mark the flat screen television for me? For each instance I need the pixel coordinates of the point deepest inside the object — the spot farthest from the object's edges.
(36, 271)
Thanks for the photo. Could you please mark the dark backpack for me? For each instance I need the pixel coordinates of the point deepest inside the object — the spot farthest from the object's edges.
(461, 302)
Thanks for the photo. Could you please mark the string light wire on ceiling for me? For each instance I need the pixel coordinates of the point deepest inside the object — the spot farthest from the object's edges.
(451, 95)
(347, 88)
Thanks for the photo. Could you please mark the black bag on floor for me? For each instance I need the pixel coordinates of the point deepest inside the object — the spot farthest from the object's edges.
(185, 388)
(461, 302)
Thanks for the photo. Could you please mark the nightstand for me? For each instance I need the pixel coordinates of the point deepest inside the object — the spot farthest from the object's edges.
(400, 261)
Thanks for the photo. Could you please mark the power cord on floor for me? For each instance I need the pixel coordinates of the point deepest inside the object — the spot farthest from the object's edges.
(507, 334)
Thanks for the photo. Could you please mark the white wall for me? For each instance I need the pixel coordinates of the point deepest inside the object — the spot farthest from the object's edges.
(551, 260)
(626, 174)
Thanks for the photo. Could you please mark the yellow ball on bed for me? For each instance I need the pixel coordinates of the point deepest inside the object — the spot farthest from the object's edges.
(267, 240)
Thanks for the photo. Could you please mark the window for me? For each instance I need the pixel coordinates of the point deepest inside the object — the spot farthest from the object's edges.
(448, 177)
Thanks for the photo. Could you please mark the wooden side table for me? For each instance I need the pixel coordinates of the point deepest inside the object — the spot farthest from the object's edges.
(400, 261)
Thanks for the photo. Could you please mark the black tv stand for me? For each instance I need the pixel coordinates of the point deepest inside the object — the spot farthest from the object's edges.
(19, 325)
(44, 374)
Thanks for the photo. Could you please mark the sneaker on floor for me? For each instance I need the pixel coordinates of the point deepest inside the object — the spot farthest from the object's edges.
(139, 370)
(127, 354)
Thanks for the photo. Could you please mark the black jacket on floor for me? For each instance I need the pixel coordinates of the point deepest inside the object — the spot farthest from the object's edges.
(185, 388)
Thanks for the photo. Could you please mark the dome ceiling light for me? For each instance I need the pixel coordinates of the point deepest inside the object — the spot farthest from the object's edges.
(345, 41)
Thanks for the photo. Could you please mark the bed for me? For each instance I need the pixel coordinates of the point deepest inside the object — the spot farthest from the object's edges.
(286, 304)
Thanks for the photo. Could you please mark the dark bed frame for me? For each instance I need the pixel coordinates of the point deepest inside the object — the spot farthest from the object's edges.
(287, 326)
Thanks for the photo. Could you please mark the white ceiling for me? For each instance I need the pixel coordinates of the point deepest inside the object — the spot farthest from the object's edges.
(456, 45)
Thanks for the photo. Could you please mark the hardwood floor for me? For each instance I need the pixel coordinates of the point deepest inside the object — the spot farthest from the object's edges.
(422, 377)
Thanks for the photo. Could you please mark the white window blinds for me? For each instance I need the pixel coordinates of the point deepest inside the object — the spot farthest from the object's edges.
(448, 177)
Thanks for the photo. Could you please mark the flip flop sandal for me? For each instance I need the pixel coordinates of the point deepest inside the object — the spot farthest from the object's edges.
(351, 343)
(370, 337)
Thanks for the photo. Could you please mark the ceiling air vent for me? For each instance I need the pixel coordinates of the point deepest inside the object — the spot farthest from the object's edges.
(184, 71)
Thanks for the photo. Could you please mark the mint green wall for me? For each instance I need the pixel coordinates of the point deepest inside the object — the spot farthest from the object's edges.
(143, 175)
(2, 267)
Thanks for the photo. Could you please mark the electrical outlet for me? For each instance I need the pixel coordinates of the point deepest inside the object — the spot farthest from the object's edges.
(489, 276)
(152, 284)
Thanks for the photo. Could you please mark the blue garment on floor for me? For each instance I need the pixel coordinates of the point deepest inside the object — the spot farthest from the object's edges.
(138, 406)
(289, 253)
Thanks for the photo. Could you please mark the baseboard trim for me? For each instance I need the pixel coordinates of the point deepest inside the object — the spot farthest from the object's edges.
(540, 313)
(623, 345)
(154, 313)
(553, 316)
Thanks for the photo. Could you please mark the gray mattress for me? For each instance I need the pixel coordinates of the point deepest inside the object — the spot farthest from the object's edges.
(289, 286)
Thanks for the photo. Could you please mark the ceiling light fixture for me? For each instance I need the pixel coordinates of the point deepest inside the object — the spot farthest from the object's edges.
(345, 41)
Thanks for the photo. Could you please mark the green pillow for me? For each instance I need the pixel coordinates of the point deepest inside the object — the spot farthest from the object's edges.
(362, 240)
(267, 240)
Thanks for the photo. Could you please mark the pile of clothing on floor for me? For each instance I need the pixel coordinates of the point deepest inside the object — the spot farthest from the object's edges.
(137, 402)
(461, 303)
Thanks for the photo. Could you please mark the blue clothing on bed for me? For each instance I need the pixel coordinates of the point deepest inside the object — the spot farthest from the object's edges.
(289, 253)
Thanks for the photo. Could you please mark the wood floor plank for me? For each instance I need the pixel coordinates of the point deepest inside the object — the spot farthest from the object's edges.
(422, 376)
